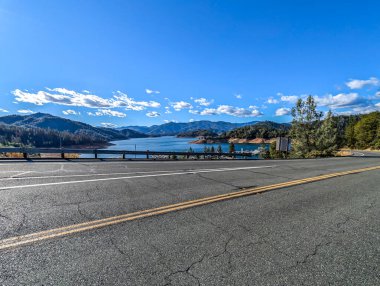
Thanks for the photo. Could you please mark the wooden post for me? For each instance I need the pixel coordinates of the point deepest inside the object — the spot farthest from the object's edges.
(147, 154)
(96, 154)
(123, 155)
(63, 155)
(25, 155)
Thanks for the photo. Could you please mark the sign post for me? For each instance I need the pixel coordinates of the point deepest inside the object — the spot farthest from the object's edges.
(283, 144)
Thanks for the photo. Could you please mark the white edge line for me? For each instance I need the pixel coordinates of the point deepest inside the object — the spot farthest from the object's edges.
(135, 177)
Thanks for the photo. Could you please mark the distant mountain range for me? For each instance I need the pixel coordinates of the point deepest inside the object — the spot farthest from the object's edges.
(41, 129)
(48, 121)
(173, 128)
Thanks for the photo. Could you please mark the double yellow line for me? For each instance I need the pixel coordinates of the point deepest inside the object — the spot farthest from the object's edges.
(76, 228)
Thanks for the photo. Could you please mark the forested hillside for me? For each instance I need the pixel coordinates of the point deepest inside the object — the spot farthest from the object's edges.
(265, 129)
(45, 130)
(38, 137)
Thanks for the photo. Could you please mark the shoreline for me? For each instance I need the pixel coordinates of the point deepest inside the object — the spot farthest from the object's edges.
(233, 140)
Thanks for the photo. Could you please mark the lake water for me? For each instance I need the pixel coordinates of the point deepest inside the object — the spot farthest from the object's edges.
(167, 143)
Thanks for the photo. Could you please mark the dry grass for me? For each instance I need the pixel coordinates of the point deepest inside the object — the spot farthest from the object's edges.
(13, 155)
(55, 156)
(344, 152)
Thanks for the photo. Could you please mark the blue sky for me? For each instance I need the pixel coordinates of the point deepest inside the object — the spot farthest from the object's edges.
(148, 62)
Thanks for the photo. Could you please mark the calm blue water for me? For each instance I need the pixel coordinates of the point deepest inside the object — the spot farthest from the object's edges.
(167, 143)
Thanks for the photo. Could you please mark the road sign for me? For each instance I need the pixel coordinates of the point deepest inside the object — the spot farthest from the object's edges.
(283, 144)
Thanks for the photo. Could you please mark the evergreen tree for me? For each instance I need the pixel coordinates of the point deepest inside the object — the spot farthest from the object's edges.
(219, 149)
(212, 150)
(366, 130)
(350, 135)
(206, 149)
(327, 137)
(305, 124)
(232, 148)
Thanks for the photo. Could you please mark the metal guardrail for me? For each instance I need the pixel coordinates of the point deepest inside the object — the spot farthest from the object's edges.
(28, 151)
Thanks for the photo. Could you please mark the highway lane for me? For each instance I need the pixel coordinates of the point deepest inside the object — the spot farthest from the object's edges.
(35, 208)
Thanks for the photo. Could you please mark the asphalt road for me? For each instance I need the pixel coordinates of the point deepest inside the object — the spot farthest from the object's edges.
(320, 233)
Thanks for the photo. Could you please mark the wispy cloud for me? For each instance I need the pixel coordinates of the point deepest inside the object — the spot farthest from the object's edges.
(70, 112)
(108, 125)
(283, 111)
(167, 110)
(153, 114)
(169, 121)
(289, 98)
(151, 91)
(25, 111)
(238, 96)
(272, 100)
(359, 83)
(3, 110)
(231, 110)
(107, 112)
(179, 105)
(203, 101)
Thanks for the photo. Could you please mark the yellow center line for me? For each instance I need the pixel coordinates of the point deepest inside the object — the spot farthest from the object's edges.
(90, 225)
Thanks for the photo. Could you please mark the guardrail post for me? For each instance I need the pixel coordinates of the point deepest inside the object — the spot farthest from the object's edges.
(63, 155)
(147, 154)
(96, 154)
(123, 155)
(25, 155)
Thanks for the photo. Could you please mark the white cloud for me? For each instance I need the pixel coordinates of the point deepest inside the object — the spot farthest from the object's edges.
(194, 111)
(70, 112)
(86, 91)
(289, 98)
(63, 96)
(191, 120)
(282, 111)
(108, 125)
(179, 105)
(231, 110)
(3, 110)
(272, 100)
(377, 94)
(25, 111)
(358, 83)
(167, 110)
(238, 96)
(123, 100)
(361, 110)
(153, 114)
(340, 100)
(107, 112)
(203, 101)
(169, 121)
(150, 91)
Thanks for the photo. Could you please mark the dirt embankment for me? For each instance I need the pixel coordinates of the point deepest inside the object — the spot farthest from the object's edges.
(234, 140)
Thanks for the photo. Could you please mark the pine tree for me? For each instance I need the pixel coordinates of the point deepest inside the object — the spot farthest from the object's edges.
(327, 137)
(219, 149)
(305, 124)
(212, 150)
(232, 148)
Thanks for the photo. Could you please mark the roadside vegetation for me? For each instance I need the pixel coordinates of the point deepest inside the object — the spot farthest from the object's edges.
(314, 134)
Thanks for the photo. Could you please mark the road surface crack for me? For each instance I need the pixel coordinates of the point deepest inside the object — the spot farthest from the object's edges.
(315, 251)
(217, 181)
(186, 271)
